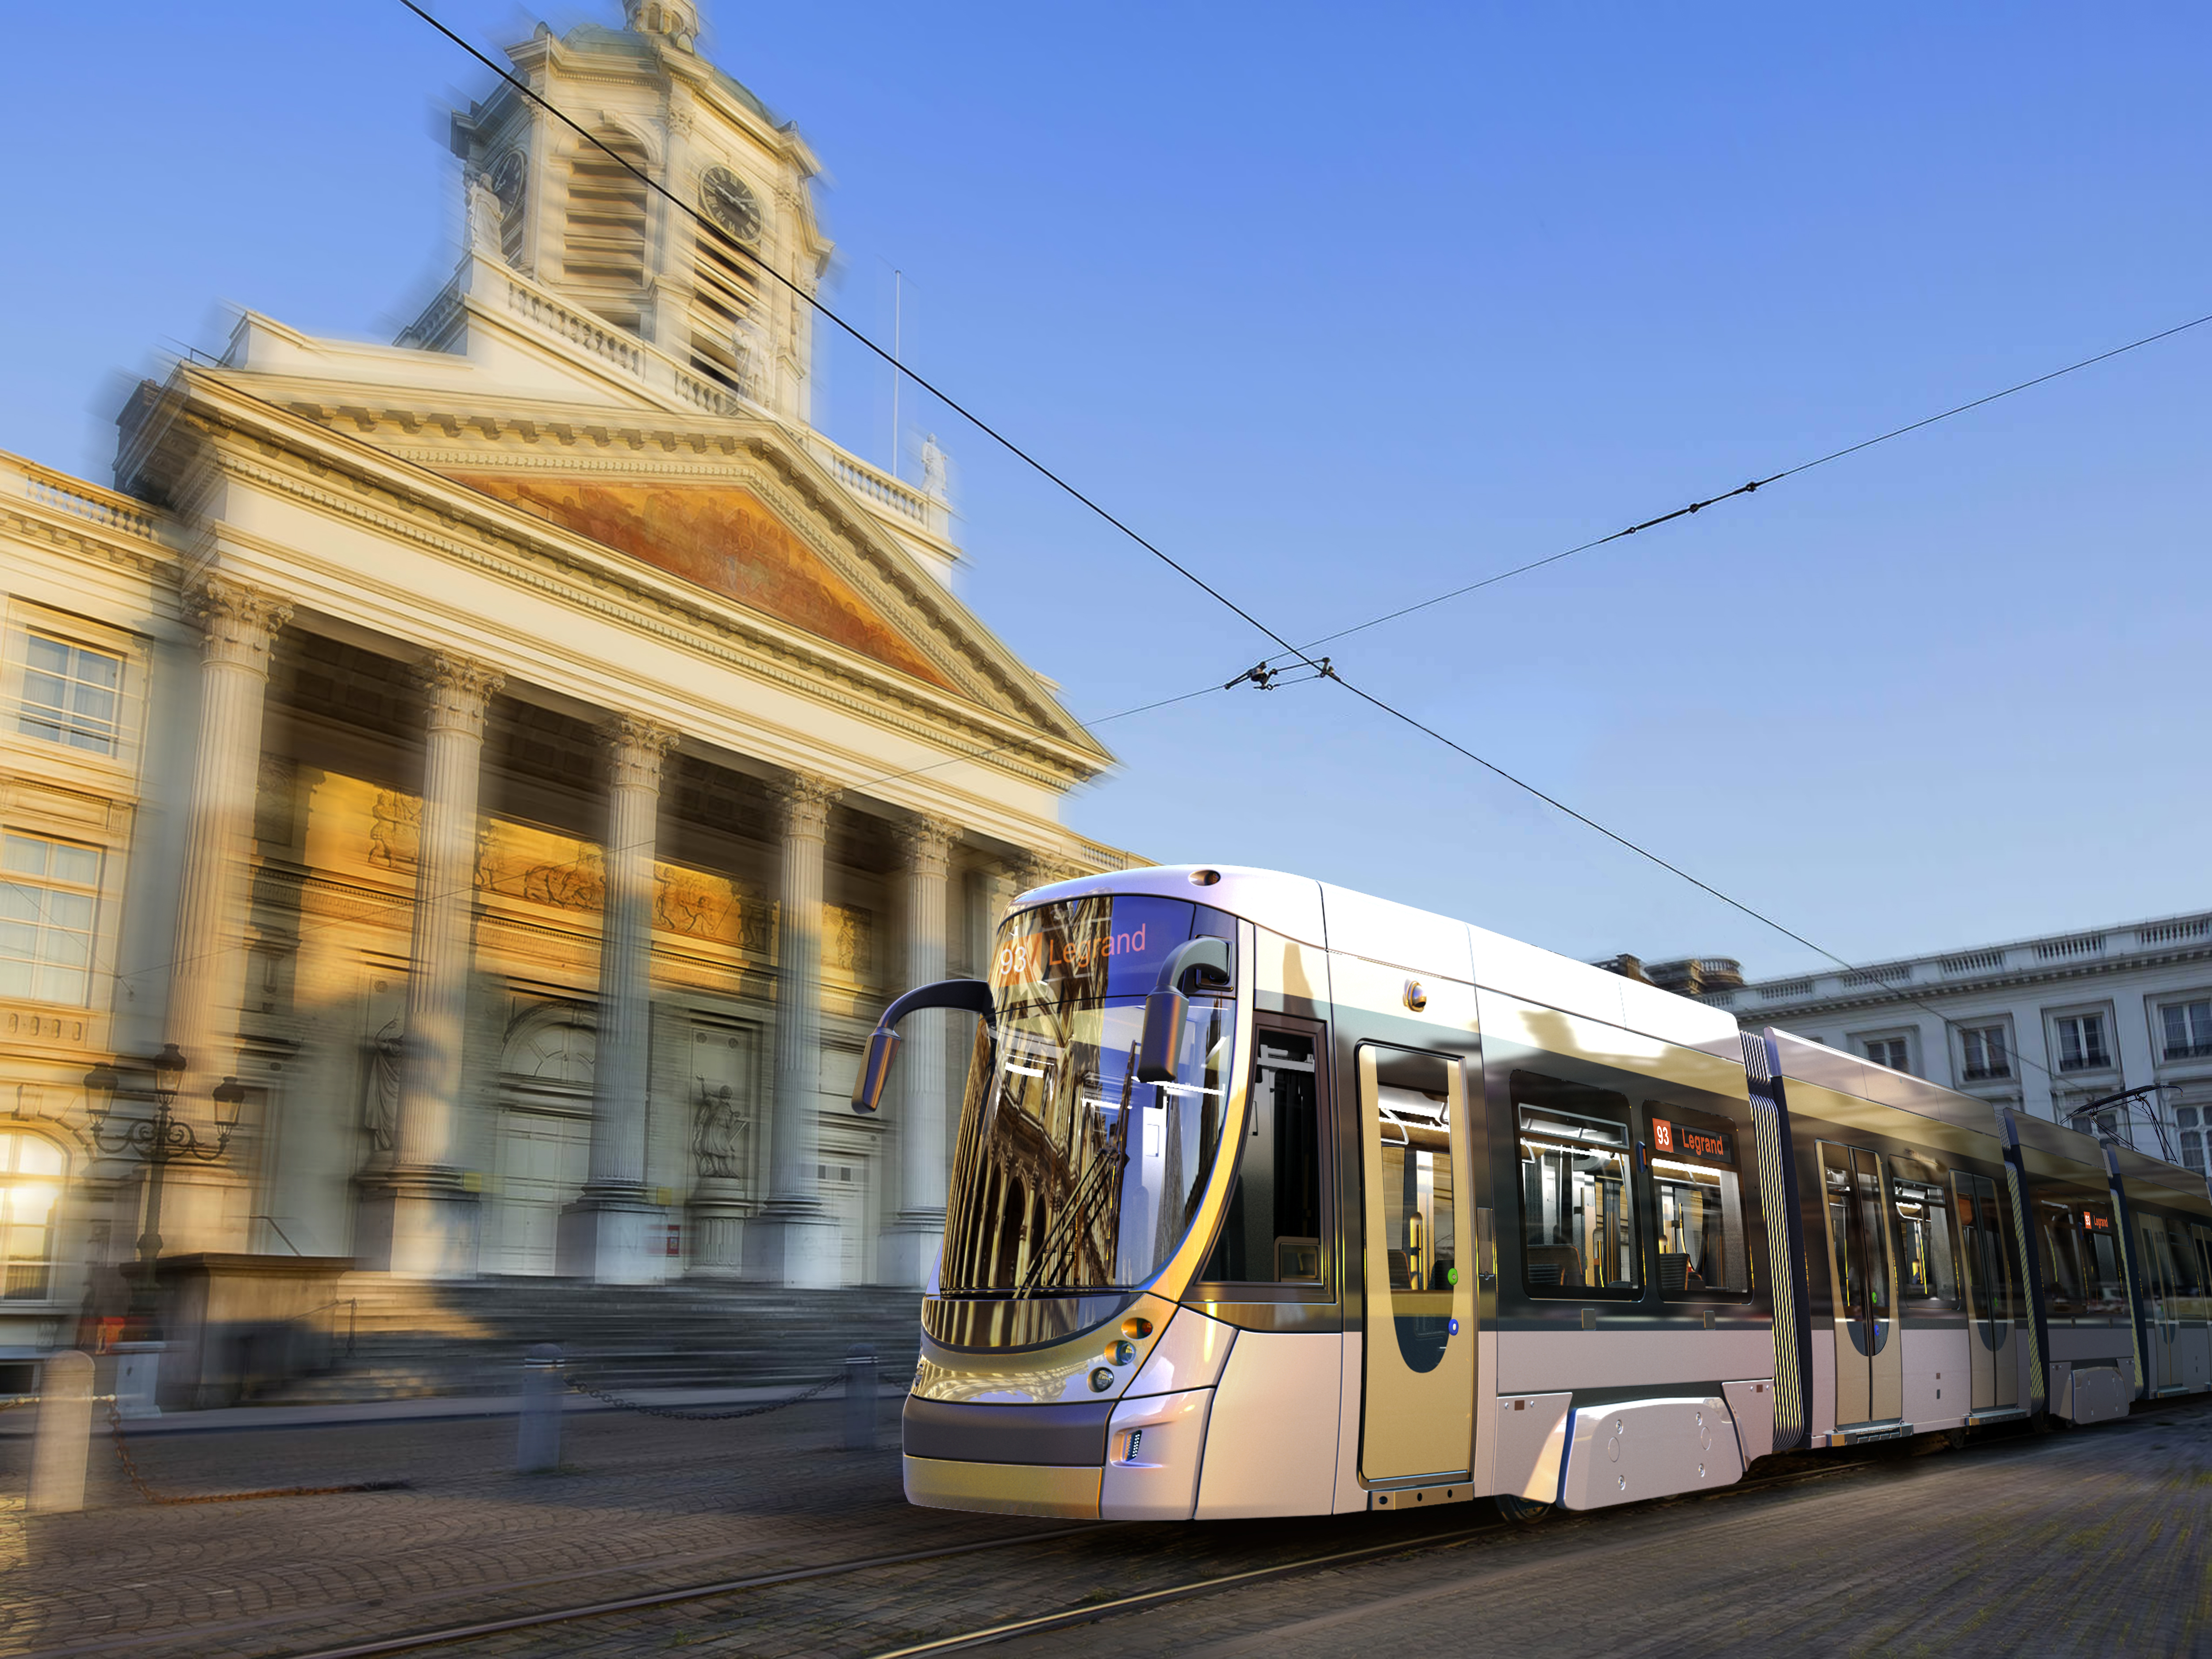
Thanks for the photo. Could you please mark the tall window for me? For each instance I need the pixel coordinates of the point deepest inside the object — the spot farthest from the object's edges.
(1983, 1046)
(2189, 1120)
(2188, 1029)
(725, 287)
(2081, 1043)
(1887, 1051)
(49, 891)
(606, 249)
(71, 694)
(31, 1170)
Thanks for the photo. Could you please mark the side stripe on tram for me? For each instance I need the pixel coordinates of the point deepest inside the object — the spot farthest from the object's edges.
(2031, 1269)
(2131, 1271)
(1777, 1198)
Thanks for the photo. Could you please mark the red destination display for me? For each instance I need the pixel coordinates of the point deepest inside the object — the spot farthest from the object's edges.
(1686, 1139)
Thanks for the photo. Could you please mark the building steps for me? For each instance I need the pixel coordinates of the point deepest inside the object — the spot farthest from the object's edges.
(389, 1339)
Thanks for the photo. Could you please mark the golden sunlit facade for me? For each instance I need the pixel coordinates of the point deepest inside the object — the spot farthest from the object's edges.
(515, 764)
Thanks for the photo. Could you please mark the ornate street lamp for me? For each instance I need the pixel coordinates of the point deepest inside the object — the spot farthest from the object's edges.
(156, 1141)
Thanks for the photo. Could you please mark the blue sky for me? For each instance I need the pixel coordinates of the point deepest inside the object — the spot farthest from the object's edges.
(1344, 307)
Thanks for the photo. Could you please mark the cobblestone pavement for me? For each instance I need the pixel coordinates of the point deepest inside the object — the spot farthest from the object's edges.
(2094, 1540)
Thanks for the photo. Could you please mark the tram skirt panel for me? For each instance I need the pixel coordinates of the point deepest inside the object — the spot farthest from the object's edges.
(1152, 1452)
(1271, 1443)
(1640, 1449)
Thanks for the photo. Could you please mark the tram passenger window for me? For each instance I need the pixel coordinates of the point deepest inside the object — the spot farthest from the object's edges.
(1577, 1200)
(2059, 1244)
(1271, 1234)
(1694, 1176)
(2080, 1248)
(1925, 1271)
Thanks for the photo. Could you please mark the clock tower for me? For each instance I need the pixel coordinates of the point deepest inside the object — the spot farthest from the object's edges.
(576, 215)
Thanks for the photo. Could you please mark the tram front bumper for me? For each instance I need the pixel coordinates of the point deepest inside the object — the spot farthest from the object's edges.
(944, 1483)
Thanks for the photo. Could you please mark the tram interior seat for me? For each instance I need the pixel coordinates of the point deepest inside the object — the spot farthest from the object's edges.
(1402, 1273)
(1676, 1275)
(1554, 1264)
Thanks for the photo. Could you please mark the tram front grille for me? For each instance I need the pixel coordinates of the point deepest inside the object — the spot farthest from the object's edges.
(1072, 1435)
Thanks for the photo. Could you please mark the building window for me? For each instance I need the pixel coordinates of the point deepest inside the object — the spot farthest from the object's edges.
(31, 1170)
(71, 694)
(1887, 1051)
(2188, 1029)
(2189, 1120)
(1983, 1046)
(48, 892)
(2081, 1043)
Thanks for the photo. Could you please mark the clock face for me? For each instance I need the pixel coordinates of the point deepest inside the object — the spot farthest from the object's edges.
(730, 204)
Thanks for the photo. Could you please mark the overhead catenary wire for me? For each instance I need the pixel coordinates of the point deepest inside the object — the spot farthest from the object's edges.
(1301, 653)
(1755, 484)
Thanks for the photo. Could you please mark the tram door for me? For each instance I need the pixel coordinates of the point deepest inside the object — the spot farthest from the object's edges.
(1869, 1358)
(1989, 1333)
(1420, 1418)
(2161, 1320)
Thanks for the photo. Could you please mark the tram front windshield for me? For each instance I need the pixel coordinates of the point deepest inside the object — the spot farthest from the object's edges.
(1071, 1175)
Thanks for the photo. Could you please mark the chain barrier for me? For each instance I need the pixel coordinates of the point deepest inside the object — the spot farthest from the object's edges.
(16, 1402)
(140, 1485)
(762, 1410)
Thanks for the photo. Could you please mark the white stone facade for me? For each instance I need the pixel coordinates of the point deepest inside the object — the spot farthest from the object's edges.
(524, 756)
(2045, 1024)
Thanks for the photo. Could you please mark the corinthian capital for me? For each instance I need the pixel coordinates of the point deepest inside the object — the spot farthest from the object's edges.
(927, 843)
(1035, 870)
(804, 800)
(636, 748)
(456, 689)
(239, 621)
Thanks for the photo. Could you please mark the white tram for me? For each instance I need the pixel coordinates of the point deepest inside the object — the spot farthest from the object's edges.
(1274, 1198)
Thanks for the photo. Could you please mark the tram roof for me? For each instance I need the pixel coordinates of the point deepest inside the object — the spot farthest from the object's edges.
(1341, 919)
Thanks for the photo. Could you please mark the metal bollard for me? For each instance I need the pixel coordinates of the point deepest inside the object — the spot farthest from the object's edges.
(537, 1425)
(860, 1399)
(64, 1435)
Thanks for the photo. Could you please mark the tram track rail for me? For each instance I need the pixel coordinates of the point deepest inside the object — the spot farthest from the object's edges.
(1087, 1612)
(1797, 1469)
(415, 1640)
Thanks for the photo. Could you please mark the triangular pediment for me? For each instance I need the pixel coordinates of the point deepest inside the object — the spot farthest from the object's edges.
(723, 538)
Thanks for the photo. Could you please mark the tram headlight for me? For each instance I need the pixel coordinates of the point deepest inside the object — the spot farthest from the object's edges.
(1102, 1379)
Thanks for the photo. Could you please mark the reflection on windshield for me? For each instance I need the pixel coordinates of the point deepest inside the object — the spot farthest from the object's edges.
(1070, 1173)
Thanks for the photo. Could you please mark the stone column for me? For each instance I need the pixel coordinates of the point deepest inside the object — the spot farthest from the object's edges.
(207, 974)
(418, 1215)
(791, 1243)
(909, 1243)
(612, 1234)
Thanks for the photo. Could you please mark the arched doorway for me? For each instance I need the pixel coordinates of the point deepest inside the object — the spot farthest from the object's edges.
(545, 1139)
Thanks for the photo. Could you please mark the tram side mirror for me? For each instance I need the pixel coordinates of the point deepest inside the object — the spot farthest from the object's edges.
(875, 1069)
(972, 994)
(1197, 962)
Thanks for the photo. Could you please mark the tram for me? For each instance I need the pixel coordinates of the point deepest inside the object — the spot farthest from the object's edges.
(1272, 1199)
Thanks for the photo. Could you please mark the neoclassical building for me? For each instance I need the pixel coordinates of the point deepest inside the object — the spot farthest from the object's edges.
(523, 757)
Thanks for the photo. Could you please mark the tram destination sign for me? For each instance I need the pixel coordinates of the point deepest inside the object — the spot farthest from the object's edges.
(1687, 1140)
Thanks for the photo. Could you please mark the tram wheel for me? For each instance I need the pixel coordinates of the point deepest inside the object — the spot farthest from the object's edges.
(1521, 1511)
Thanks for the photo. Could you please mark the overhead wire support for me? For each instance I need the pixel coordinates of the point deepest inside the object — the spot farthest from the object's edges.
(1263, 674)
